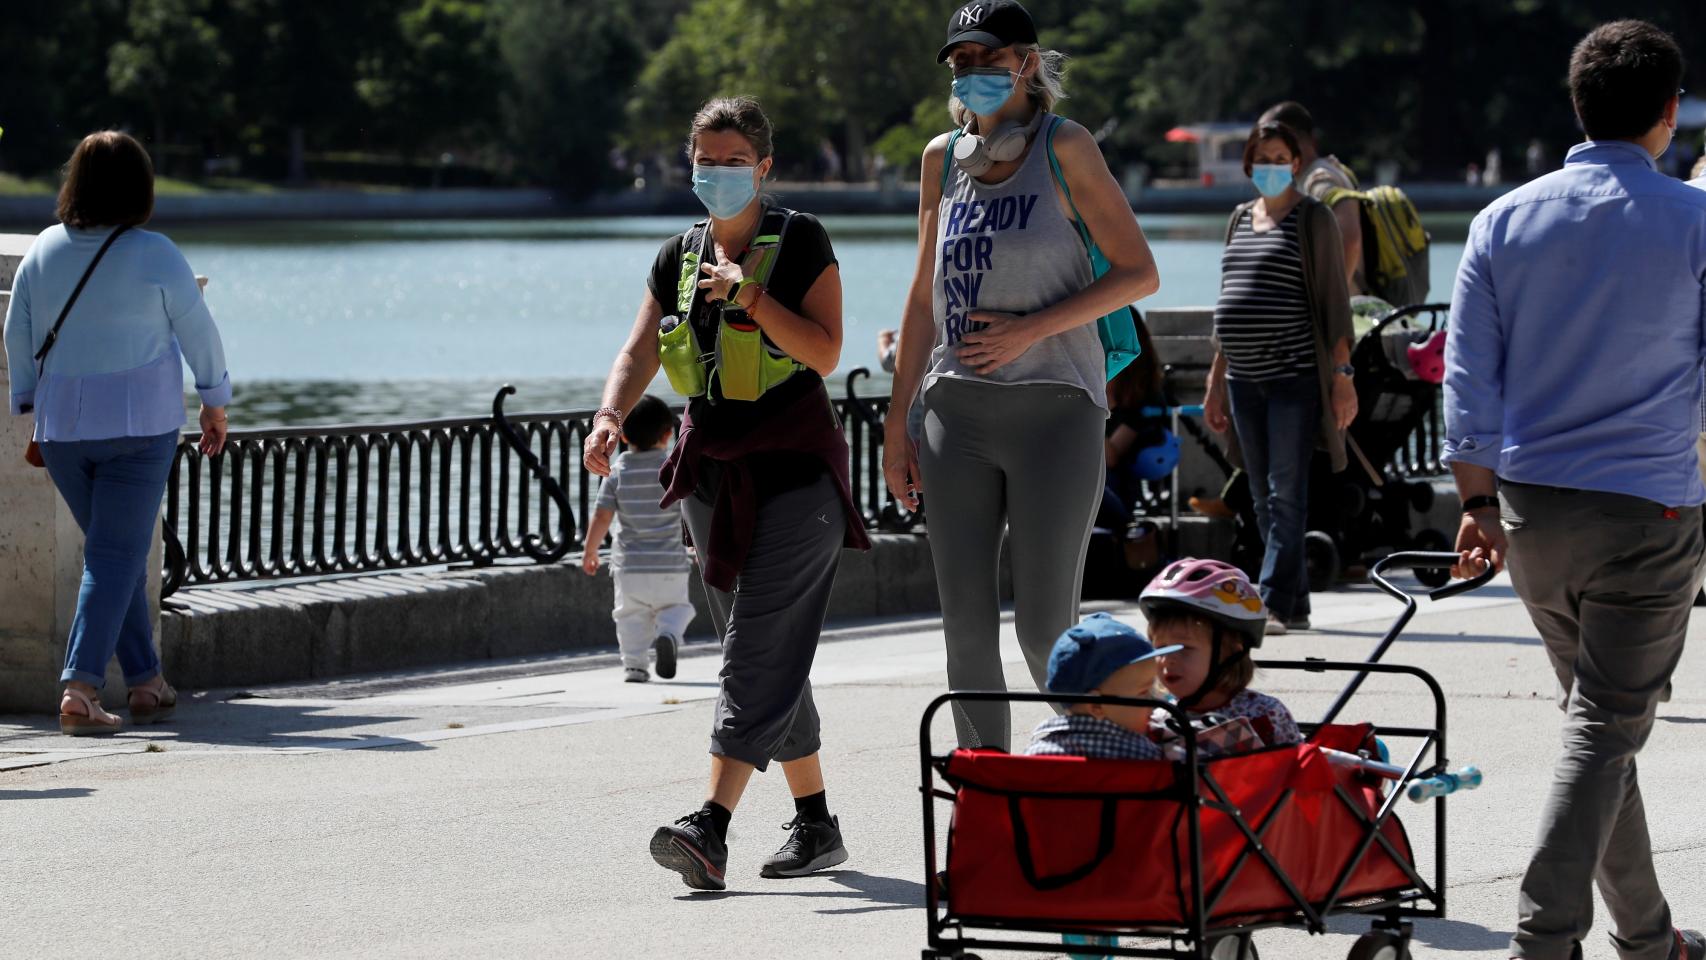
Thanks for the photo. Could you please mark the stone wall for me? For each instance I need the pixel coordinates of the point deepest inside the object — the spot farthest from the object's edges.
(216, 637)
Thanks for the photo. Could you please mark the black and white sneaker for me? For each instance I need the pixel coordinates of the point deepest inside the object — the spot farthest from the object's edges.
(691, 848)
(812, 846)
(667, 648)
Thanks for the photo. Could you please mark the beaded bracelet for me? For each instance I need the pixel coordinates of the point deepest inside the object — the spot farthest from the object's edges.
(610, 412)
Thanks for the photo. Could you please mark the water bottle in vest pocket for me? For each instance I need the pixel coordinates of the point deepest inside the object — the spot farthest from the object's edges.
(740, 360)
(678, 353)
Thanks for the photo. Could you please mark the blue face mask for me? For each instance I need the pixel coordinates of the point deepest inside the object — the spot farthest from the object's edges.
(984, 90)
(725, 191)
(1271, 179)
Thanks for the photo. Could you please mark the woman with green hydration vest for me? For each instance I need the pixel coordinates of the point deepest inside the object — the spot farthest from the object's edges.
(1001, 333)
(743, 313)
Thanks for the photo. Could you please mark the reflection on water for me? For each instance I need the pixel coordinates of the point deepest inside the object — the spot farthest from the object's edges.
(283, 403)
(373, 321)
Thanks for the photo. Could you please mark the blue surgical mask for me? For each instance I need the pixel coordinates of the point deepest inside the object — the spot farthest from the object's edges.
(1271, 179)
(725, 191)
(984, 90)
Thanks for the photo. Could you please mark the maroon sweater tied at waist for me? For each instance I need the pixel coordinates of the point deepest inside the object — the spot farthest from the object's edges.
(807, 426)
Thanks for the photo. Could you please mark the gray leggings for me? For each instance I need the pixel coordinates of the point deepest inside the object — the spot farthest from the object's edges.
(1024, 458)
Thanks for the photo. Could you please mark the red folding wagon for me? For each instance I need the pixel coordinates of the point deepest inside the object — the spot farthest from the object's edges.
(1189, 859)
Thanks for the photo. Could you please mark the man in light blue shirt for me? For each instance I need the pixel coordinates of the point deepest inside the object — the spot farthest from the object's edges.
(1573, 402)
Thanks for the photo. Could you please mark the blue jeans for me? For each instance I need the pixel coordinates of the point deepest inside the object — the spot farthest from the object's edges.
(114, 488)
(1276, 422)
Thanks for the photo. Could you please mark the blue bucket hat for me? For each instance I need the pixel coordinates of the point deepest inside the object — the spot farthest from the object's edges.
(1089, 653)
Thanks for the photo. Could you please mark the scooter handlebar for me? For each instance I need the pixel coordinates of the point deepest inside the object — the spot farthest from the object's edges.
(1445, 784)
(1428, 560)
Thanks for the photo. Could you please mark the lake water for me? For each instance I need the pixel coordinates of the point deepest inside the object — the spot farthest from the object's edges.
(369, 321)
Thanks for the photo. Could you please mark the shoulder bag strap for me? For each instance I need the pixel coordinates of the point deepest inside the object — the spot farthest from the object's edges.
(1066, 191)
(53, 335)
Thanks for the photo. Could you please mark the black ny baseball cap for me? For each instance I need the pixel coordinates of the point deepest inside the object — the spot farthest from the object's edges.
(993, 23)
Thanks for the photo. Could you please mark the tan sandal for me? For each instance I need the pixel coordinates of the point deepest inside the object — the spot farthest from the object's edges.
(97, 723)
(165, 702)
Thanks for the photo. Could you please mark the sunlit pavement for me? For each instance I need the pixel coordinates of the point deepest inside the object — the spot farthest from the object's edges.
(504, 810)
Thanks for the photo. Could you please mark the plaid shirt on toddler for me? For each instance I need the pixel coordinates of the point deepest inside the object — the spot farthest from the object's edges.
(1081, 735)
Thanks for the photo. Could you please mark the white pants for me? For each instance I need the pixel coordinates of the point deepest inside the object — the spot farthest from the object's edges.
(648, 606)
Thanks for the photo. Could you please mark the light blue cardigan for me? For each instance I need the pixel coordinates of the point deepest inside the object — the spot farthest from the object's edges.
(118, 367)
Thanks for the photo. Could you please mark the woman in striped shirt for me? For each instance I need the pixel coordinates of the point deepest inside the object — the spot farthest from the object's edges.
(1281, 371)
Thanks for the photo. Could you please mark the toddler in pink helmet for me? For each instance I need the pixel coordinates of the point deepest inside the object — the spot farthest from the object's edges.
(1212, 614)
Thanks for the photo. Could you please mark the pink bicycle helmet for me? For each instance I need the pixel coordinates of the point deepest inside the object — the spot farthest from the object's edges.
(1427, 359)
(1212, 589)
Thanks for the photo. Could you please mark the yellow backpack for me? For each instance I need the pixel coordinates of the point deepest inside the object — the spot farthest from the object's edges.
(743, 361)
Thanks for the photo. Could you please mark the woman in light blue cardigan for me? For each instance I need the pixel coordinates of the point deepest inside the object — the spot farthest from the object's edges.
(108, 403)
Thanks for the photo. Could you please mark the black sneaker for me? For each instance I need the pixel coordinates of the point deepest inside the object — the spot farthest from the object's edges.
(812, 846)
(1690, 945)
(692, 849)
(1299, 622)
(666, 647)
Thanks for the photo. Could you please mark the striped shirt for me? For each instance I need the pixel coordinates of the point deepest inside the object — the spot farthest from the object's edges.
(1262, 319)
(648, 537)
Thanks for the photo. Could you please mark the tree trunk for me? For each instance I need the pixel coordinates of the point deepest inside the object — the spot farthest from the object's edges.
(298, 164)
(853, 165)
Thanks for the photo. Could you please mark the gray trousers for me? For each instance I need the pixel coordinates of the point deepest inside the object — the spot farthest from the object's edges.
(1027, 460)
(1608, 580)
(770, 624)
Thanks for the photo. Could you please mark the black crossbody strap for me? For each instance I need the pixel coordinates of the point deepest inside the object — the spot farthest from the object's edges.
(53, 335)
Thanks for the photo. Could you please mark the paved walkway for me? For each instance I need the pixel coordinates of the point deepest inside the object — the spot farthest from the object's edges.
(504, 811)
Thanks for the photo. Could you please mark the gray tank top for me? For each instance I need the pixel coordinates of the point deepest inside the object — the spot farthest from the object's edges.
(1011, 247)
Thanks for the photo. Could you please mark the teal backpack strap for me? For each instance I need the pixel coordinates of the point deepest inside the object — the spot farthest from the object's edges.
(1060, 178)
(948, 158)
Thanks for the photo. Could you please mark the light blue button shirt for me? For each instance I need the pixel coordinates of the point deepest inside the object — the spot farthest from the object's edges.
(117, 369)
(1578, 324)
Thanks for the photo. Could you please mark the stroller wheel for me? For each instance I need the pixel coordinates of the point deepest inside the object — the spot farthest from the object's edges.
(1380, 945)
(1422, 496)
(1232, 947)
(1321, 557)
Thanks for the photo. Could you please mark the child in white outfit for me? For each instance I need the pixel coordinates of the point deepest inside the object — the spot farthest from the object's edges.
(648, 560)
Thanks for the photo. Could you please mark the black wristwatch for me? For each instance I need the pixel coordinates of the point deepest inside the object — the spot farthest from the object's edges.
(1481, 502)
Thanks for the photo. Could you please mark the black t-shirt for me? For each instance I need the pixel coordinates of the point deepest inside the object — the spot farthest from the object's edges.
(805, 254)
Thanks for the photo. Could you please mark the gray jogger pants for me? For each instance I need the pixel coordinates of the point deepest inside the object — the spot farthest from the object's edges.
(771, 622)
(1608, 580)
(1024, 459)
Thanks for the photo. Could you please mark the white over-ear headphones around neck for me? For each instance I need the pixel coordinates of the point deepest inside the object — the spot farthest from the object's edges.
(976, 154)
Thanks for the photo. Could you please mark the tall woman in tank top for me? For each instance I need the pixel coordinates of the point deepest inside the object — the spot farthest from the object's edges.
(1281, 372)
(999, 332)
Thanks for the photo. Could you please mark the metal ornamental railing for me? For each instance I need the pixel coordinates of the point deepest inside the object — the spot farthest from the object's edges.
(320, 501)
(316, 501)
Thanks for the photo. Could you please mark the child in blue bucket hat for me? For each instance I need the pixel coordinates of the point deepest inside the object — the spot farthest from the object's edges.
(1101, 656)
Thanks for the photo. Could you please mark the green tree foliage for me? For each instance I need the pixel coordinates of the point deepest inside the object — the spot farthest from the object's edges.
(567, 61)
(823, 70)
(436, 85)
(541, 90)
(170, 48)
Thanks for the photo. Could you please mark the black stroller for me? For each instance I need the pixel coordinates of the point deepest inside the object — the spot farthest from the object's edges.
(1363, 514)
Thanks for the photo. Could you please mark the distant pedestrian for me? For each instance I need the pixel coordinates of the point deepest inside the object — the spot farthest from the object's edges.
(103, 316)
(1572, 400)
(1015, 387)
(1535, 158)
(743, 313)
(649, 561)
(1320, 175)
(1281, 372)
